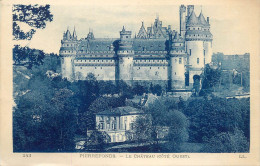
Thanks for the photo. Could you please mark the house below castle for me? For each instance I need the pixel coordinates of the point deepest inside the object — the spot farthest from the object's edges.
(116, 122)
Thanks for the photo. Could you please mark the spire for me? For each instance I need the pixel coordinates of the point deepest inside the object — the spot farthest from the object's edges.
(193, 19)
(74, 36)
(123, 30)
(68, 35)
(202, 19)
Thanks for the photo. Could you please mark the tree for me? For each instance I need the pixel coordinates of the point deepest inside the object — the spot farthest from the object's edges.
(209, 117)
(139, 89)
(106, 87)
(96, 141)
(157, 89)
(196, 84)
(227, 142)
(44, 118)
(27, 57)
(143, 128)
(210, 79)
(33, 15)
(125, 90)
(44, 121)
(160, 114)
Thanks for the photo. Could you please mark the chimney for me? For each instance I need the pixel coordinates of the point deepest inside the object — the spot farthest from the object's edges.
(208, 20)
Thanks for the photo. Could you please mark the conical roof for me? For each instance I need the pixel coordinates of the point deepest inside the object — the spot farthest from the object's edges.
(193, 19)
(74, 34)
(202, 20)
(68, 35)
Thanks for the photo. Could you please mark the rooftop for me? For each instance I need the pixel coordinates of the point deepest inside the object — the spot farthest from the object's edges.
(120, 111)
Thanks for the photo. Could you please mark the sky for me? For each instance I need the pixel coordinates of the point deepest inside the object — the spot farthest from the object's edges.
(230, 26)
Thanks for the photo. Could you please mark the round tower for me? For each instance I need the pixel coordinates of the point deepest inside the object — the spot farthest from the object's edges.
(125, 57)
(67, 53)
(178, 62)
(198, 48)
(207, 38)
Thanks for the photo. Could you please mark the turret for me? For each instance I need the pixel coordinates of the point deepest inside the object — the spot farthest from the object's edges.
(198, 43)
(67, 53)
(125, 55)
(178, 61)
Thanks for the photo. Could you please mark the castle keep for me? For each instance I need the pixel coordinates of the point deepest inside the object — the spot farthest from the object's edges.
(156, 54)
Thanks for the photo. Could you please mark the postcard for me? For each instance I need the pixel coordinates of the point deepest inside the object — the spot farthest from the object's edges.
(129, 82)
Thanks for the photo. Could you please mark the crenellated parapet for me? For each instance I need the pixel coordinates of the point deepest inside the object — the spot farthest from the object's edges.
(155, 53)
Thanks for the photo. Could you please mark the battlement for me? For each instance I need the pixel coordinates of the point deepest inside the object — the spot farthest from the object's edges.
(155, 53)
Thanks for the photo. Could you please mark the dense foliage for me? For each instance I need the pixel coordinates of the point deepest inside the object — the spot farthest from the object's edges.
(35, 16)
(162, 123)
(210, 117)
(51, 112)
(25, 56)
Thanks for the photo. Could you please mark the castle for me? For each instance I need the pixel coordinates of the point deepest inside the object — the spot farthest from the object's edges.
(156, 54)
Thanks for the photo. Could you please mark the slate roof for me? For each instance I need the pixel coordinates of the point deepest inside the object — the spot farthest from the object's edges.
(104, 44)
(149, 44)
(202, 20)
(120, 111)
(98, 44)
(193, 20)
(68, 35)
